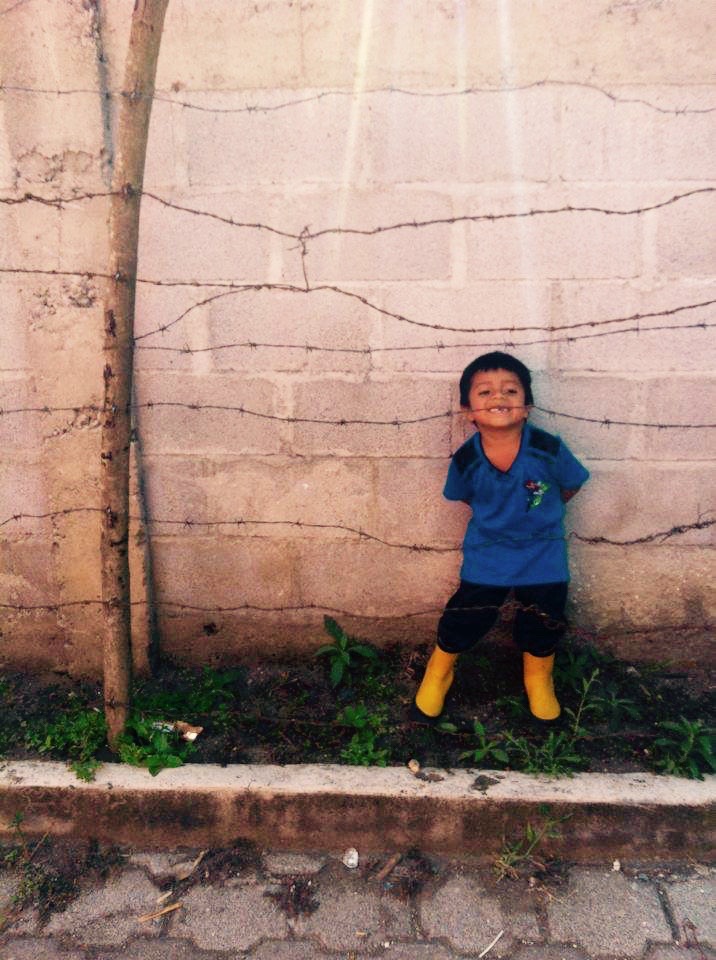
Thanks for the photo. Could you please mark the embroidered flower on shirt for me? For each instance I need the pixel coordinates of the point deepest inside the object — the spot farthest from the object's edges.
(536, 490)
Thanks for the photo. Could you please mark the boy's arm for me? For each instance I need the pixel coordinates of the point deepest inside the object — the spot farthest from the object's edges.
(568, 494)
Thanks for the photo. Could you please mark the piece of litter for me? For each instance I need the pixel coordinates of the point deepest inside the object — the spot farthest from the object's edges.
(616, 866)
(413, 766)
(160, 913)
(165, 896)
(187, 871)
(490, 945)
(385, 870)
(187, 731)
(350, 858)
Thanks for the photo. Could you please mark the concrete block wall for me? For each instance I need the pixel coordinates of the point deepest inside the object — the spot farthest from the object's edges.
(345, 204)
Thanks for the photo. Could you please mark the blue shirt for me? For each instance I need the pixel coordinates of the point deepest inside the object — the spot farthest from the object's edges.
(516, 534)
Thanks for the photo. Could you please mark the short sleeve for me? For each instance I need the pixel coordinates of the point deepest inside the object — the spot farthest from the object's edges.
(571, 474)
(457, 485)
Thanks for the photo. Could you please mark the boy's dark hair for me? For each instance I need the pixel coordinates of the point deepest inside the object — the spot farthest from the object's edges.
(495, 361)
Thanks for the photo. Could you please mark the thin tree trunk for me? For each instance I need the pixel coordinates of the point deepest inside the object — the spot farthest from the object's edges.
(127, 181)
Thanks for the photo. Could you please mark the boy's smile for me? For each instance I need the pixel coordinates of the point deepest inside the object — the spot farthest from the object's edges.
(496, 401)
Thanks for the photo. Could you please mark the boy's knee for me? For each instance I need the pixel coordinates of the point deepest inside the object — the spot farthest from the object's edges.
(460, 634)
(539, 639)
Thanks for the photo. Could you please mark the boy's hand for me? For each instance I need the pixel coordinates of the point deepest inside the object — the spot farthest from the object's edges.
(568, 494)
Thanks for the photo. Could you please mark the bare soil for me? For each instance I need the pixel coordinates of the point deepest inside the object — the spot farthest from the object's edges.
(289, 712)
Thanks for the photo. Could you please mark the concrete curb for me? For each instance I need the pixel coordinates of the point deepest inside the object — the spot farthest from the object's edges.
(327, 807)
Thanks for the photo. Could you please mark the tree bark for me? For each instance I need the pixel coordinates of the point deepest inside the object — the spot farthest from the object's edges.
(127, 182)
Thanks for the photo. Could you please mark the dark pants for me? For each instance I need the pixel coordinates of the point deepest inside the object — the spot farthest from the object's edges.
(473, 610)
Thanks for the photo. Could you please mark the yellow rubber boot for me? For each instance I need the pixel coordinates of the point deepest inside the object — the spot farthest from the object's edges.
(540, 686)
(438, 678)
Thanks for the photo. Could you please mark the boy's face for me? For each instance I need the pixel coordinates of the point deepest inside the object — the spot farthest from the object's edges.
(497, 401)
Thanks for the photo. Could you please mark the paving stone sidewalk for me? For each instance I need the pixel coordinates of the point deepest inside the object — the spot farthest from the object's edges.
(296, 907)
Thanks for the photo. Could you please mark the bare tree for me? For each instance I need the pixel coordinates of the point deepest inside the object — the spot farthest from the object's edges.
(127, 182)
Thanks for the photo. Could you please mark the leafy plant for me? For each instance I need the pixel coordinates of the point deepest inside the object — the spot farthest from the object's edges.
(358, 716)
(687, 751)
(486, 749)
(148, 743)
(586, 705)
(555, 756)
(445, 726)
(78, 734)
(523, 850)
(343, 651)
(362, 750)
(514, 707)
(575, 662)
(196, 697)
(615, 709)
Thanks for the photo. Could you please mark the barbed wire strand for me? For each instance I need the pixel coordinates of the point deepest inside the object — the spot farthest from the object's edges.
(368, 351)
(318, 608)
(306, 235)
(638, 329)
(703, 522)
(161, 96)
(341, 422)
(512, 329)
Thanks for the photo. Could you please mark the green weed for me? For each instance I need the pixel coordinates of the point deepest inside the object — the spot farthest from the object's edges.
(78, 734)
(362, 751)
(586, 705)
(514, 707)
(686, 750)
(520, 852)
(343, 651)
(616, 710)
(197, 697)
(486, 750)
(555, 756)
(148, 743)
(573, 663)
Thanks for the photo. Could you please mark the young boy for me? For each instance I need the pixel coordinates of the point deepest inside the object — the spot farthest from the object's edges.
(517, 480)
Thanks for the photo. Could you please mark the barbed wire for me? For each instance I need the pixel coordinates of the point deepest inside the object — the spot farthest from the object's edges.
(369, 351)
(494, 217)
(636, 318)
(161, 96)
(340, 422)
(317, 608)
(289, 288)
(306, 235)
(703, 522)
